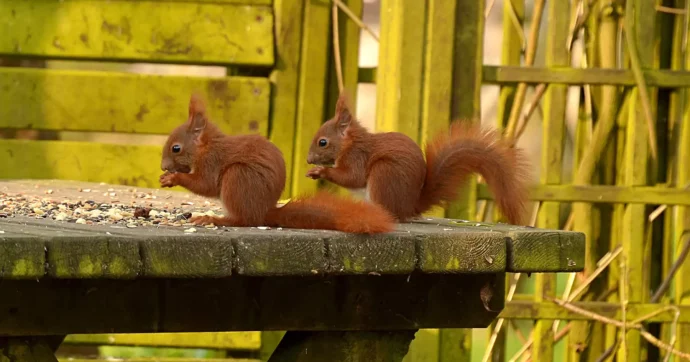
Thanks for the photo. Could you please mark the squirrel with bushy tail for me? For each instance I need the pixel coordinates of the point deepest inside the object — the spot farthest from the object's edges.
(392, 169)
(247, 173)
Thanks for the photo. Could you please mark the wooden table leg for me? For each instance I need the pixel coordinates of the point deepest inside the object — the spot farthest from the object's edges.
(343, 346)
(29, 349)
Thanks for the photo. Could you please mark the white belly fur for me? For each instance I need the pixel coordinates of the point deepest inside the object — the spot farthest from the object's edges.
(362, 193)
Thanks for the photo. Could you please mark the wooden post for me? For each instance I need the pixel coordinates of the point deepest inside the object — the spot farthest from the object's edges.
(553, 139)
(400, 68)
(285, 82)
(313, 80)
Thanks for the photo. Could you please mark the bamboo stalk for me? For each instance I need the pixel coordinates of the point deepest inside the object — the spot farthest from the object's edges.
(631, 44)
(529, 61)
(336, 48)
(356, 19)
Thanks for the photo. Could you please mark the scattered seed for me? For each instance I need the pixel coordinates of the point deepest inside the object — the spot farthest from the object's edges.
(81, 221)
(144, 212)
(190, 230)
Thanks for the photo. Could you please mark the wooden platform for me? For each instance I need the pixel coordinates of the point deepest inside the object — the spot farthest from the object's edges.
(146, 271)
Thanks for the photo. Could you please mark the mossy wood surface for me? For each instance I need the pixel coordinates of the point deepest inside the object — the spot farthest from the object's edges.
(65, 100)
(220, 340)
(134, 165)
(37, 248)
(284, 79)
(139, 30)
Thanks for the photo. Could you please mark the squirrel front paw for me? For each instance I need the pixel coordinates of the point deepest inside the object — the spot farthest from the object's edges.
(316, 172)
(168, 179)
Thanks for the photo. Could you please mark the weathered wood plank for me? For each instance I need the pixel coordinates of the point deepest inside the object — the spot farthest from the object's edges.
(103, 248)
(348, 255)
(640, 19)
(526, 309)
(526, 248)
(576, 76)
(653, 195)
(221, 340)
(138, 30)
(317, 303)
(399, 76)
(313, 80)
(115, 164)
(285, 80)
(506, 74)
(553, 140)
(65, 100)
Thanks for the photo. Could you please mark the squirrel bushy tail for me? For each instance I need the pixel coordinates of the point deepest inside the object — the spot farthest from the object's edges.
(330, 212)
(453, 156)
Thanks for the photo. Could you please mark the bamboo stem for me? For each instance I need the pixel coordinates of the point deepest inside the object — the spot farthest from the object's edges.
(529, 61)
(663, 287)
(629, 28)
(336, 48)
(356, 19)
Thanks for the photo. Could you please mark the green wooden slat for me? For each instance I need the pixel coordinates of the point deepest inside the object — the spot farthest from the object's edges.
(574, 76)
(138, 30)
(399, 77)
(285, 80)
(553, 139)
(639, 21)
(96, 162)
(681, 215)
(525, 309)
(652, 195)
(313, 79)
(67, 100)
(505, 74)
(220, 340)
(511, 54)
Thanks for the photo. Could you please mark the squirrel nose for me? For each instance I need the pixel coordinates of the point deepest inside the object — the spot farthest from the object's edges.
(310, 159)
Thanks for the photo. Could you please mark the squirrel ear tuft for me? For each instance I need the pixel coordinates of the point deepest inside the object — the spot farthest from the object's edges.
(197, 114)
(343, 114)
(196, 105)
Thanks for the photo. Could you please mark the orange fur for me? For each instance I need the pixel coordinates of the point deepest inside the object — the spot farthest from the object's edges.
(453, 156)
(392, 167)
(247, 173)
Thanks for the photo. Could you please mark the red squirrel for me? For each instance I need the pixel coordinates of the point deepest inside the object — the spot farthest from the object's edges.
(391, 165)
(247, 173)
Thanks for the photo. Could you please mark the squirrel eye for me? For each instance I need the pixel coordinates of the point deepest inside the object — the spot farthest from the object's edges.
(176, 148)
(323, 142)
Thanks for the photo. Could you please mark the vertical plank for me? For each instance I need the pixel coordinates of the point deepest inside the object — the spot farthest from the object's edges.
(467, 85)
(313, 79)
(681, 215)
(349, 37)
(512, 52)
(284, 80)
(511, 55)
(603, 54)
(400, 68)
(640, 16)
(553, 139)
(438, 64)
